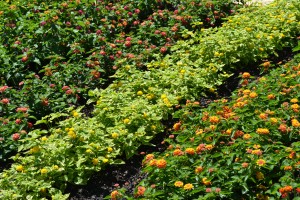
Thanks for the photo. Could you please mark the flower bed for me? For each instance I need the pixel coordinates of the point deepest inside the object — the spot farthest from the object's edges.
(53, 54)
(129, 111)
(245, 148)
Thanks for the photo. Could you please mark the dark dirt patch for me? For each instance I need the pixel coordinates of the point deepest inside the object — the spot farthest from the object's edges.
(5, 164)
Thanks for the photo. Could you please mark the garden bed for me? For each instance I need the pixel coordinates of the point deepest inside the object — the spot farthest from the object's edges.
(130, 174)
(130, 112)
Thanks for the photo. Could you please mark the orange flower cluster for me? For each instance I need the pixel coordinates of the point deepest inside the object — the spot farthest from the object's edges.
(246, 75)
(237, 134)
(205, 116)
(161, 163)
(177, 126)
(271, 96)
(149, 157)
(288, 168)
(285, 190)
(282, 128)
(263, 131)
(246, 92)
(228, 131)
(177, 152)
(214, 119)
(209, 147)
(295, 123)
(292, 155)
(227, 112)
(266, 64)
(141, 191)
(256, 152)
(205, 181)
(200, 148)
(198, 169)
(190, 151)
(245, 165)
(153, 162)
(239, 104)
(114, 195)
(263, 116)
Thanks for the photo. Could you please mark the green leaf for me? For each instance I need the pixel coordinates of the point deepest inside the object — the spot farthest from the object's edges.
(90, 101)
(297, 48)
(39, 31)
(118, 162)
(42, 121)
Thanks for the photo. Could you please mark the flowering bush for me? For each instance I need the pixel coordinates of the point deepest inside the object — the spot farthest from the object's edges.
(53, 54)
(129, 111)
(244, 148)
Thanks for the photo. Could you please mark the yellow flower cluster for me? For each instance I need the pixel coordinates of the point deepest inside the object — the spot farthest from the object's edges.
(95, 161)
(71, 132)
(44, 171)
(295, 123)
(247, 136)
(75, 114)
(253, 95)
(20, 168)
(114, 135)
(126, 121)
(178, 184)
(188, 186)
(34, 149)
(260, 162)
(263, 131)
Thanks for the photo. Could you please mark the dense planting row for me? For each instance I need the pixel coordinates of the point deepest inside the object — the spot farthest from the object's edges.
(243, 149)
(129, 111)
(54, 52)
